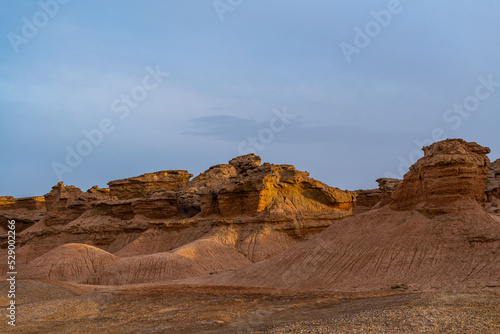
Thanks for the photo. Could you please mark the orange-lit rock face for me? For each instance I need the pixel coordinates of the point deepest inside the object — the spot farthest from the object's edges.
(254, 211)
(276, 189)
(29, 203)
(451, 170)
(139, 186)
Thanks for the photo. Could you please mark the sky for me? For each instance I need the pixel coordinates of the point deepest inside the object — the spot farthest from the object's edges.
(94, 91)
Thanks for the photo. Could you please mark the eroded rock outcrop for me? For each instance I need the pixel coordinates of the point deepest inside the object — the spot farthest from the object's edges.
(28, 203)
(450, 171)
(275, 189)
(139, 186)
(70, 262)
(66, 203)
(493, 188)
(251, 224)
(25, 211)
(435, 235)
(376, 198)
(249, 210)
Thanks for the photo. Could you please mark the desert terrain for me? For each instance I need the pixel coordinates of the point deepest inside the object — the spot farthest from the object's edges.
(251, 247)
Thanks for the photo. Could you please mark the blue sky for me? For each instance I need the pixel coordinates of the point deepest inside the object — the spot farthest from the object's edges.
(355, 117)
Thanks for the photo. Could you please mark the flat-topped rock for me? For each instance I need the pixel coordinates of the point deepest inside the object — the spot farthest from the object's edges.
(139, 186)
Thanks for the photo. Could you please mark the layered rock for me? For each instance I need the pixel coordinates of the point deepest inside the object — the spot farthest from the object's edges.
(255, 211)
(139, 186)
(25, 211)
(435, 235)
(66, 203)
(376, 198)
(264, 208)
(450, 171)
(28, 203)
(162, 204)
(275, 189)
(388, 185)
(493, 188)
(197, 258)
(70, 262)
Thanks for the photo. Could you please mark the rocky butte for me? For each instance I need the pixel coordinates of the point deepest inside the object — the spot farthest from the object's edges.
(251, 246)
(433, 234)
(250, 224)
(161, 226)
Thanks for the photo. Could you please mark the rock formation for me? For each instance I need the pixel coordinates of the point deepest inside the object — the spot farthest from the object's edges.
(66, 203)
(417, 243)
(450, 171)
(25, 211)
(262, 225)
(197, 258)
(375, 198)
(271, 188)
(493, 188)
(140, 186)
(243, 209)
(28, 203)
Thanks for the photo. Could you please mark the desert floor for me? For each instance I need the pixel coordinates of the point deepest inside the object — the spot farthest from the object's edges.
(45, 307)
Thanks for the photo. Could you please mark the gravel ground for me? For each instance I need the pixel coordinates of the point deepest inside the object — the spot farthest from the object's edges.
(47, 308)
(433, 313)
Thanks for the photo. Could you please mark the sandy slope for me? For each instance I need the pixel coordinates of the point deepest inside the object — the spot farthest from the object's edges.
(197, 258)
(384, 248)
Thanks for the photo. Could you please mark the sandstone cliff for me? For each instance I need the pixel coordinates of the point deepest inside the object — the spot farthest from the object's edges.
(450, 171)
(241, 212)
(262, 225)
(434, 235)
(140, 186)
(25, 211)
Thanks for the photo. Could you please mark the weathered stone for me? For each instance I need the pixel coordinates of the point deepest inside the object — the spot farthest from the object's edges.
(375, 198)
(450, 170)
(245, 162)
(139, 186)
(29, 203)
(493, 188)
(274, 188)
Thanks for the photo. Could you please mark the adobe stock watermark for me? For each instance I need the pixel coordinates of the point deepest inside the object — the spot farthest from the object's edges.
(372, 29)
(223, 6)
(11, 271)
(120, 106)
(265, 136)
(31, 27)
(454, 118)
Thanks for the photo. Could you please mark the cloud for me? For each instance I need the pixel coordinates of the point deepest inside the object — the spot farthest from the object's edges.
(236, 129)
(222, 127)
